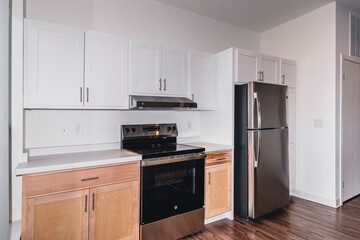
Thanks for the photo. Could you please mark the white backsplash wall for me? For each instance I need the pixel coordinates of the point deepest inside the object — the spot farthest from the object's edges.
(55, 128)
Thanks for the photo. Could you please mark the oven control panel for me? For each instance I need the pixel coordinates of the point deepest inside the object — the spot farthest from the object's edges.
(149, 130)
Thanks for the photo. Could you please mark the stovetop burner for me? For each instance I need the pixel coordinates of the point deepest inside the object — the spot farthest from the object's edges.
(155, 140)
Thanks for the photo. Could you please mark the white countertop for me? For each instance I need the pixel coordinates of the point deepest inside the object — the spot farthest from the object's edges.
(210, 147)
(58, 162)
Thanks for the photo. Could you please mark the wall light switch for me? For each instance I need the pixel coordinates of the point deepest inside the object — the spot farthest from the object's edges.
(318, 123)
(77, 128)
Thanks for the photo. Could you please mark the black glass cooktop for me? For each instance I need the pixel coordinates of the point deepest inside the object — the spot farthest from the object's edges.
(164, 149)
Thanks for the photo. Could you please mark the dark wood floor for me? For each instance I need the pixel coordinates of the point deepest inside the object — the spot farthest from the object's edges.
(301, 220)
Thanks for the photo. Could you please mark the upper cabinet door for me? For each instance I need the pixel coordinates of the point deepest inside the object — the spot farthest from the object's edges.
(247, 66)
(269, 68)
(174, 71)
(288, 73)
(54, 65)
(203, 83)
(106, 71)
(146, 69)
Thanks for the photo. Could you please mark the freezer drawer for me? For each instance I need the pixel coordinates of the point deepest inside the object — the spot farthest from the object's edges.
(268, 165)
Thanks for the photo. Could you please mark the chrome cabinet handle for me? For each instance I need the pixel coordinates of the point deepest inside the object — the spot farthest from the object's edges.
(89, 179)
(86, 203)
(81, 94)
(93, 201)
(193, 97)
(219, 159)
(259, 76)
(209, 178)
(283, 79)
(160, 84)
(262, 76)
(165, 84)
(87, 94)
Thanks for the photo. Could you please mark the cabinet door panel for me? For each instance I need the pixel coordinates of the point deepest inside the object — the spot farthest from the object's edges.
(203, 80)
(106, 79)
(217, 190)
(59, 216)
(288, 73)
(247, 66)
(54, 65)
(292, 166)
(146, 68)
(270, 68)
(114, 212)
(174, 71)
(291, 111)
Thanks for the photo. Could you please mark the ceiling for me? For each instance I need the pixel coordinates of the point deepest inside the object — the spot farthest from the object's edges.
(256, 15)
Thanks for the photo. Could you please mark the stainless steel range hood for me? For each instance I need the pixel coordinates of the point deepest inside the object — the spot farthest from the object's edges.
(152, 102)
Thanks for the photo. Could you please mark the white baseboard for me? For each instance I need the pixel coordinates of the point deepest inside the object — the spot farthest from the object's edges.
(314, 198)
(219, 217)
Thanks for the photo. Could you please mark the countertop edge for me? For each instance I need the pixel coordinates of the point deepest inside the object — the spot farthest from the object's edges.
(66, 166)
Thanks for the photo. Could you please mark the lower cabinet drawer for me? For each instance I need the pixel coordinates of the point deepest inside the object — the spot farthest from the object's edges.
(51, 182)
(218, 157)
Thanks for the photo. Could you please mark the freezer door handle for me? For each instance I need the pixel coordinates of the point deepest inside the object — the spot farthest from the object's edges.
(258, 109)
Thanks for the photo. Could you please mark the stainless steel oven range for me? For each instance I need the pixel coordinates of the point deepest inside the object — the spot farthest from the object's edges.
(172, 181)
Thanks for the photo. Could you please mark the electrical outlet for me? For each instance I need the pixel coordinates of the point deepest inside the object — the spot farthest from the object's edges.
(318, 123)
(189, 124)
(77, 128)
(65, 130)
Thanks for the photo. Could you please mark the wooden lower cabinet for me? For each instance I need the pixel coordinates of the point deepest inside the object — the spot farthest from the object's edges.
(113, 214)
(101, 212)
(58, 216)
(217, 185)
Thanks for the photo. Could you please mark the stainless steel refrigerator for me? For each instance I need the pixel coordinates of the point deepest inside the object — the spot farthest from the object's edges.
(261, 162)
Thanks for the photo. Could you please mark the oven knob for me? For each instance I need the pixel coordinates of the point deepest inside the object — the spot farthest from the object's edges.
(133, 130)
(127, 130)
(169, 129)
(173, 129)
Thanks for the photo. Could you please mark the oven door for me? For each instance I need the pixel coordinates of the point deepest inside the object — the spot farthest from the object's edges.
(171, 189)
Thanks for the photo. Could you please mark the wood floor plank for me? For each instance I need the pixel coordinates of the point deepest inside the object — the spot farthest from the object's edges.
(301, 220)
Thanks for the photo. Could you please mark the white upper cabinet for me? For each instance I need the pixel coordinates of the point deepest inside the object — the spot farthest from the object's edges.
(203, 85)
(106, 71)
(288, 73)
(146, 69)
(269, 69)
(247, 66)
(174, 71)
(158, 70)
(54, 66)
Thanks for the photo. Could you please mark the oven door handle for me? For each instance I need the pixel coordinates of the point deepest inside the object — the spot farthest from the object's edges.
(178, 158)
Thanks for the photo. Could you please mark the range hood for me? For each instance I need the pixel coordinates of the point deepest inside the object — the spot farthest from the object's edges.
(152, 102)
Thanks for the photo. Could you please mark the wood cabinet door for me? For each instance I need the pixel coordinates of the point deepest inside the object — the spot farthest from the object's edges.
(58, 216)
(146, 69)
(288, 73)
(174, 71)
(247, 66)
(114, 212)
(106, 71)
(203, 85)
(217, 190)
(54, 66)
(270, 67)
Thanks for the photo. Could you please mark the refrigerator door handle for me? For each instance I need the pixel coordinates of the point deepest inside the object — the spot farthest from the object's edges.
(258, 108)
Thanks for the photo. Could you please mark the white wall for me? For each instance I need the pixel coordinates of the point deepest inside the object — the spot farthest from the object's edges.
(311, 41)
(4, 118)
(145, 20)
(43, 127)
